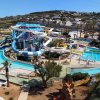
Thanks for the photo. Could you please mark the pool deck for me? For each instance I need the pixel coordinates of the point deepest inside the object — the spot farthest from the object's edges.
(75, 63)
(18, 75)
(19, 72)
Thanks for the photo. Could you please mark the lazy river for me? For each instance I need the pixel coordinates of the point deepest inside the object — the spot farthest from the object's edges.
(16, 64)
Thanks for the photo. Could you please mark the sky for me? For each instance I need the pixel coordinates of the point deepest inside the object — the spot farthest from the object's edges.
(20, 7)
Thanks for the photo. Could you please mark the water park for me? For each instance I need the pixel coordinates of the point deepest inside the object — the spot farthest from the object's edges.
(29, 46)
(29, 40)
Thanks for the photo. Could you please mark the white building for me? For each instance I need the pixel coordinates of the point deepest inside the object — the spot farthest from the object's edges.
(73, 34)
(68, 23)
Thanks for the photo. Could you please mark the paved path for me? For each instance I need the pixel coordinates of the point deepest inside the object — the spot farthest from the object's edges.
(24, 92)
(23, 95)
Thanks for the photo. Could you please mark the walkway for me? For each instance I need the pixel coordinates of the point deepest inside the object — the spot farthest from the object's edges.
(75, 63)
(23, 95)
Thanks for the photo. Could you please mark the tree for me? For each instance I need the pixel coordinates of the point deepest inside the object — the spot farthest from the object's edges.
(94, 91)
(86, 36)
(47, 70)
(56, 42)
(99, 36)
(66, 34)
(68, 88)
(7, 64)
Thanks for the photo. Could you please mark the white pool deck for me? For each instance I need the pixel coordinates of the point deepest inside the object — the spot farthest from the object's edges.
(19, 72)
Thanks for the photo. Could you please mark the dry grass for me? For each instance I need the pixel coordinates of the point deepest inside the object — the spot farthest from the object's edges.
(13, 92)
(43, 95)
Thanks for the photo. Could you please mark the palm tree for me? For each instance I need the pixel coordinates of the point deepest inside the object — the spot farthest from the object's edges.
(81, 29)
(7, 64)
(77, 29)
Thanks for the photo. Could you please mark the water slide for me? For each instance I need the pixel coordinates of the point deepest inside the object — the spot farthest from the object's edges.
(4, 40)
(82, 82)
(54, 49)
(49, 40)
(35, 53)
(28, 30)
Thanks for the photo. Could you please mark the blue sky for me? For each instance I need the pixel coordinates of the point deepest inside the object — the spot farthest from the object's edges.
(17, 7)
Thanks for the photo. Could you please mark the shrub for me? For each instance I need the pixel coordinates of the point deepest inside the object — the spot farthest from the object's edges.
(97, 76)
(94, 91)
(79, 76)
(47, 71)
(74, 46)
(55, 42)
(11, 98)
(95, 43)
(68, 78)
(49, 55)
(25, 82)
(92, 87)
(7, 93)
(86, 36)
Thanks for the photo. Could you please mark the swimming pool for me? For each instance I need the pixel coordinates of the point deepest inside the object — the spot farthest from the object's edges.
(16, 64)
(90, 71)
(84, 40)
(91, 54)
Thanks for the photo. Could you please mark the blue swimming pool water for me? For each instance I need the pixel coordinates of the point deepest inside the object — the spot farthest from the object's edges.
(16, 64)
(92, 54)
(84, 40)
(90, 71)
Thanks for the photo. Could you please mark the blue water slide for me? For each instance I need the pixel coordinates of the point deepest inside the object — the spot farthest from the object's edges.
(4, 40)
(35, 53)
(14, 46)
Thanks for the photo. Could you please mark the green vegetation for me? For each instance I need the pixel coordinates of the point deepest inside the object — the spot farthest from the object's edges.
(94, 91)
(86, 36)
(68, 77)
(95, 43)
(5, 33)
(50, 55)
(67, 36)
(47, 70)
(99, 36)
(7, 64)
(25, 82)
(97, 76)
(56, 42)
(78, 76)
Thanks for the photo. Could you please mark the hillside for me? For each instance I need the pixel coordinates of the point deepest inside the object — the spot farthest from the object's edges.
(56, 18)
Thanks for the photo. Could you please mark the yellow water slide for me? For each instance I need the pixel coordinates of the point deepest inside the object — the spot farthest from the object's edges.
(82, 82)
